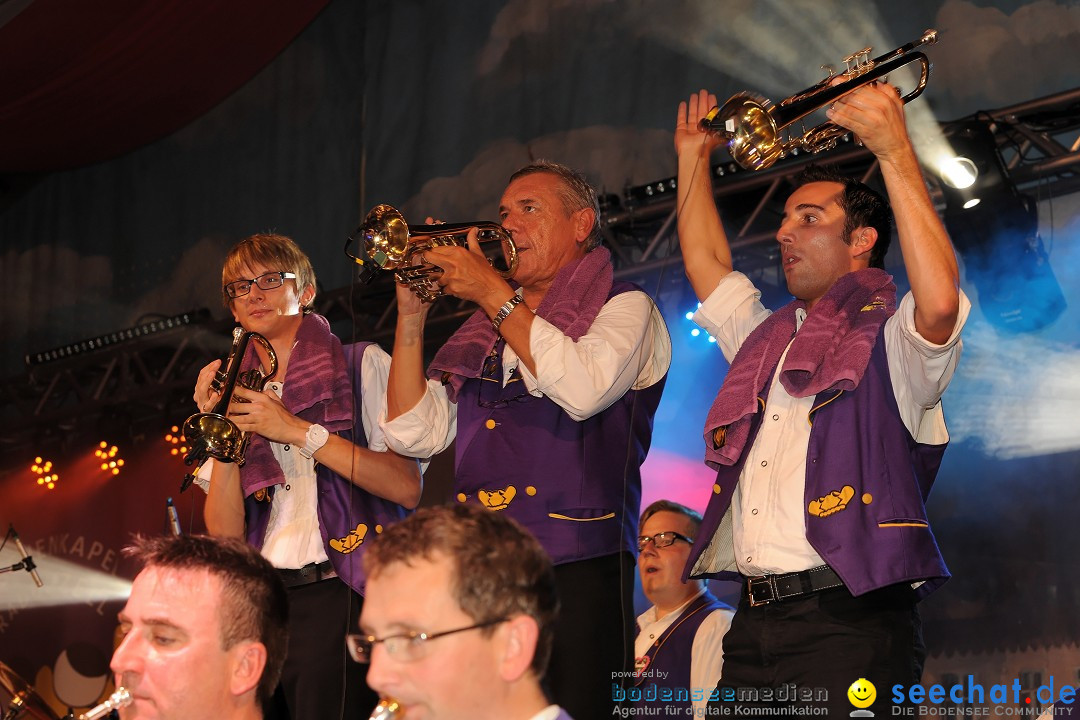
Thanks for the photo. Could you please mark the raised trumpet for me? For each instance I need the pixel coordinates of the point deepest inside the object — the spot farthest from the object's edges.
(213, 434)
(752, 126)
(388, 243)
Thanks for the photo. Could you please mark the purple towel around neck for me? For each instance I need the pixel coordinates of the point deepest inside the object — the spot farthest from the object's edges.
(318, 390)
(830, 351)
(571, 304)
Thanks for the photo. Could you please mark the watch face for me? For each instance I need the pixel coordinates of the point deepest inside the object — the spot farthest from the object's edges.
(317, 434)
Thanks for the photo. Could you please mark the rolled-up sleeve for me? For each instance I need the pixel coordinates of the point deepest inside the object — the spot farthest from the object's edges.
(426, 429)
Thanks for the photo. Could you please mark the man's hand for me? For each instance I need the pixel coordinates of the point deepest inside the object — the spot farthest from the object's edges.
(204, 397)
(264, 414)
(688, 138)
(875, 113)
(466, 272)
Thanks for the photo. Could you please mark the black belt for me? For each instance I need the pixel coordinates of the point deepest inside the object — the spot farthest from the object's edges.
(765, 589)
(308, 574)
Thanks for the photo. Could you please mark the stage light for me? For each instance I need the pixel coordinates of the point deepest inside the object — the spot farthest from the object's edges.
(177, 442)
(996, 231)
(43, 473)
(958, 172)
(110, 462)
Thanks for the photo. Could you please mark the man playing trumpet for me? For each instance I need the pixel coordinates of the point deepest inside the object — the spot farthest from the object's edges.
(549, 389)
(828, 430)
(317, 479)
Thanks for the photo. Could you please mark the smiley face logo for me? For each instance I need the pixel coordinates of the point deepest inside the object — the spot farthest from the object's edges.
(862, 693)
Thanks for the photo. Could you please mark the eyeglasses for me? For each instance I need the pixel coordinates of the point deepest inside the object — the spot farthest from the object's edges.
(662, 539)
(404, 647)
(266, 281)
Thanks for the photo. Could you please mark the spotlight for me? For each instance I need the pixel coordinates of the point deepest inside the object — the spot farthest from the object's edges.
(108, 455)
(177, 442)
(958, 172)
(44, 475)
(998, 239)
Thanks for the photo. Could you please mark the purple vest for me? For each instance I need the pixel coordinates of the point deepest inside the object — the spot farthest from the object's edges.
(575, 485)
(867, 481)
(672, 653)
(347, 514)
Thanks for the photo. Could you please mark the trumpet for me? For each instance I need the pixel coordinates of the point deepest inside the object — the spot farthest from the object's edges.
(388, 243)
(751, 125)
(120, 698)
(213, 434)
(387, 709)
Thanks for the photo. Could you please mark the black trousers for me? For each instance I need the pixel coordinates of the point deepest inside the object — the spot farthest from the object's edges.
(594, 635)
(320, 681)
(821, 644)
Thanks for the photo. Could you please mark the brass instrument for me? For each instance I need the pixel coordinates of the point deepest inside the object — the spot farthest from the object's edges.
(387, 709)
(751, 125)
(213, 434)
(120, 698)
(388, 243)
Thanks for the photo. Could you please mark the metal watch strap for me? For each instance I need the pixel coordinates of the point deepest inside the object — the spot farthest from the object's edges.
(504, 311)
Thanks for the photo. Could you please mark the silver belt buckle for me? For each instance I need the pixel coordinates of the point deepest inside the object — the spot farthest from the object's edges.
(760, 580)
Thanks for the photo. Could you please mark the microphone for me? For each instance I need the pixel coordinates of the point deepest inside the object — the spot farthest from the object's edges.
(174, 521)
(28, 561)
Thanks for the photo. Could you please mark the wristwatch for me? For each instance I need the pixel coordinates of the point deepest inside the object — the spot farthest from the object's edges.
(317, 436)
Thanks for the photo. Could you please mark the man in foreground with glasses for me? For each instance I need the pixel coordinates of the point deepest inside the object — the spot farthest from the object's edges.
(550, 390)
(680, 638)
(459, 615)
(203, 633)
(317, 481)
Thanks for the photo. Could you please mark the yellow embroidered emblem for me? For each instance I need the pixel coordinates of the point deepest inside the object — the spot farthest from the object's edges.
(351, 541)
(497, 499)
(875, 304)
(834, 502)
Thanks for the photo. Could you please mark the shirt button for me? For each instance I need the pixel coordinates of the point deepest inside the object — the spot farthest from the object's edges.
(490, 424)
(764, 463)
(754, 511)
(748, 558)
(775, 417)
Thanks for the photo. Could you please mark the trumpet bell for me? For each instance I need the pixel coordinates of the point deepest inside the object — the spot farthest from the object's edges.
(217, 435)
(754, 138)
(386, 236)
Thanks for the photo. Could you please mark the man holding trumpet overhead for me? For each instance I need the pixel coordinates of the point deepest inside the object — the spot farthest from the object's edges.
(549, 389)
(828, 430)
(317, 479)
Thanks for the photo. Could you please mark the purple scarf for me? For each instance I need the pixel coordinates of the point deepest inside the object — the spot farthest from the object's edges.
(571, 304)
(318, 390)
(830, 351)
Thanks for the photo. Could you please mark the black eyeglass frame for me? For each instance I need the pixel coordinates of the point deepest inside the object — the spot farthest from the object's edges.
(656, 540)
(364, 645)
(280, 274)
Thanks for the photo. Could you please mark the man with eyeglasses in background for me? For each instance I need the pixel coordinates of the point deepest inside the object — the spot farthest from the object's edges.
(458, 621)
(679, 646)
(317, 481)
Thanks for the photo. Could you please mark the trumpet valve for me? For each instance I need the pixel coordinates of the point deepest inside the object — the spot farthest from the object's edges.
(859, 61)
